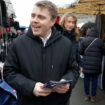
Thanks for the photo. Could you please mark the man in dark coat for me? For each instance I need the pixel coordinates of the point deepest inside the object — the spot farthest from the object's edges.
(92, 50)
(41, 55)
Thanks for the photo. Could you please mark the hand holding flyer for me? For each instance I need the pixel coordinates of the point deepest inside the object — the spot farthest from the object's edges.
(54, 84)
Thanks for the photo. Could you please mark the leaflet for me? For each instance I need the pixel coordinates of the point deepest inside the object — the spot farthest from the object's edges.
(54, 84)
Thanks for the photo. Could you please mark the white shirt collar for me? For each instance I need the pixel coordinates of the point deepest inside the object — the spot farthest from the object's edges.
(46, 39)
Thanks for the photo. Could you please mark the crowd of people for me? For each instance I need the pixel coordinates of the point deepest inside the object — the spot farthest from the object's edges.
(51, 50)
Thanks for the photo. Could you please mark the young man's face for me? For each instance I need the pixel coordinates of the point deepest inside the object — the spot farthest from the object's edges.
(41, 22)
(70, 23)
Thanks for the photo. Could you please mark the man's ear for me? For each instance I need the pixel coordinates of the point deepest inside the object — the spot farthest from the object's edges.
(53, 21)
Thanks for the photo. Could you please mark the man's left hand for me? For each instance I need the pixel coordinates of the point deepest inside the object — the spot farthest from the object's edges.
(63, 88)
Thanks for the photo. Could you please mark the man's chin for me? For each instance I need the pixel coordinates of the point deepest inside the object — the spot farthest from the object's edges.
(36, 34)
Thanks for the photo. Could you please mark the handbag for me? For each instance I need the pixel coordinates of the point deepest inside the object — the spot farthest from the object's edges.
(8, 95)
(90, 44)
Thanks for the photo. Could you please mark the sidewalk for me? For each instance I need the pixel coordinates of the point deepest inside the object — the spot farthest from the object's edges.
(77, 96)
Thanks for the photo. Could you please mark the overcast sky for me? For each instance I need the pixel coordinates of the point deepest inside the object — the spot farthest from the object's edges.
(23, 8)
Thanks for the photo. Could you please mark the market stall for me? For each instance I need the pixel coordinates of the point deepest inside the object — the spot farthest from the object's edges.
(7, 15)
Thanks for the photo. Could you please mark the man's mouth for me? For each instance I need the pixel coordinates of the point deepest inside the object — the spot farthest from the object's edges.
(36, 28)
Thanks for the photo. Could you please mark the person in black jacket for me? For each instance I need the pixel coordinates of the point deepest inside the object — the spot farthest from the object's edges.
(92, 48)
(42, 54)
(69, 24)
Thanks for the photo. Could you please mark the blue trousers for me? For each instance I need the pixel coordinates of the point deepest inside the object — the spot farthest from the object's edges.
(94, 80)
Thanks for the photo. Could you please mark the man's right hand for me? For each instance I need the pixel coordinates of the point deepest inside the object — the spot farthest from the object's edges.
(39, 91)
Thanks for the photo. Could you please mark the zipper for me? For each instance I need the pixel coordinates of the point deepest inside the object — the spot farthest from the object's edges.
(43, 62)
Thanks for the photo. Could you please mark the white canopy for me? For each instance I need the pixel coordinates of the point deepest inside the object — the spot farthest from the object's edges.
(10, 9)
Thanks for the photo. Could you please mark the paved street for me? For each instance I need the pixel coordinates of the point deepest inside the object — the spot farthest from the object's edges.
(77, 97)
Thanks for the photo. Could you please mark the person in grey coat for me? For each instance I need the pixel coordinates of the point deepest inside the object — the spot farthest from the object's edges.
(92, 48)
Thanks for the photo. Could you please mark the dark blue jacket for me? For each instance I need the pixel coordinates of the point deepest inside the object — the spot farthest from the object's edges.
(92, 57)
(75, 45)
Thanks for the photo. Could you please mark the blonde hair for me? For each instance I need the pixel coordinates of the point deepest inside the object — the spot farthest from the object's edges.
(52, 8)
(62, 23)
(65, 16)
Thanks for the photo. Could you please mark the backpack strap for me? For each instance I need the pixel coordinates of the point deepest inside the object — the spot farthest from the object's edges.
(90, 44)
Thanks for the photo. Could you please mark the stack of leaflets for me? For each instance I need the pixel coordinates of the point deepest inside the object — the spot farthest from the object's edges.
(54, 84)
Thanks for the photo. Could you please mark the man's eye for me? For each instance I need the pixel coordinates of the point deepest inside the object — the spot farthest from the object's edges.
(41, 17)
(33, 15)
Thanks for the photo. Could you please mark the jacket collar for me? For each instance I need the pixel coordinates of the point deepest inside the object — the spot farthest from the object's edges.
(54, 36)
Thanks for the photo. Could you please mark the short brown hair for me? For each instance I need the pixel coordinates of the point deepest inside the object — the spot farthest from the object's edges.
(52, 8)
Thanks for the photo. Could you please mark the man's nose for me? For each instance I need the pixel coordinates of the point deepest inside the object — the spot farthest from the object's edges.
(36, 19)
